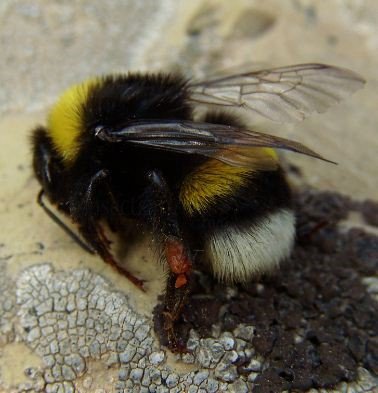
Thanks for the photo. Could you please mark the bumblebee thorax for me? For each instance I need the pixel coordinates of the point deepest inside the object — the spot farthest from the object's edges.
(113, 101)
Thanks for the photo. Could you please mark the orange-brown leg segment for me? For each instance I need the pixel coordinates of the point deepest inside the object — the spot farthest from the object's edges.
(178, 261)
(178, 288)
(95, 236)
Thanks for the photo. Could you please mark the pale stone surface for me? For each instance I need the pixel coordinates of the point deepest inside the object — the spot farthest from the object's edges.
(89, 330)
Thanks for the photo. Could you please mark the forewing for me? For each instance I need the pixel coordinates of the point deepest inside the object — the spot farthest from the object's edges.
(280, 94)
(232, 145)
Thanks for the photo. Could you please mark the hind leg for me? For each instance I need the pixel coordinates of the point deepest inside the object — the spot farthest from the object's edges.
(163, 217)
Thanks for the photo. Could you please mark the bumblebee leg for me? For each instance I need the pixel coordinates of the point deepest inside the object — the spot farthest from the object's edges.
(59, 222)
(305, 234)
(175, 300)
(93, 233)
(90, 227)
(177, 254)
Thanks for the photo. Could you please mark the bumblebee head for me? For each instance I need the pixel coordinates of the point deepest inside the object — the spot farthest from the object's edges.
(112, 101)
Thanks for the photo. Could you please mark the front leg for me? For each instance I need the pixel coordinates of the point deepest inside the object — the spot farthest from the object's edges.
(164, 219)
(86, 211)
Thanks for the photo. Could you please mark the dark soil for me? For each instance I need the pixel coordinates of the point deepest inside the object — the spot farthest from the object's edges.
(315, 321)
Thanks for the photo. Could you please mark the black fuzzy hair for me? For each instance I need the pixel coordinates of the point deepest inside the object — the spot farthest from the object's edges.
(121, 98)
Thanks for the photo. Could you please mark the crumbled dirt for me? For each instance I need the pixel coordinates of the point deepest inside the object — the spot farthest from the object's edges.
(315, 321)
(369, 210)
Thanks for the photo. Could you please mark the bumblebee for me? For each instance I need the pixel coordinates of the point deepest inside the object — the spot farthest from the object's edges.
(210, 189)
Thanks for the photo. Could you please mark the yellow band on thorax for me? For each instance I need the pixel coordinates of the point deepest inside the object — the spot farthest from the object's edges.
(65, 120)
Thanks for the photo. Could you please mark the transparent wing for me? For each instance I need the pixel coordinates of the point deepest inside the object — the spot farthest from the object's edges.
(280, 94)
(232, 145)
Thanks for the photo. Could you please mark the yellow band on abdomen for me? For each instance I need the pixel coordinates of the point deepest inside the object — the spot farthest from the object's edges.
(216, 179)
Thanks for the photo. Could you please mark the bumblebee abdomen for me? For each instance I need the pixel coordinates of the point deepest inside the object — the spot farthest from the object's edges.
(249, 229)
